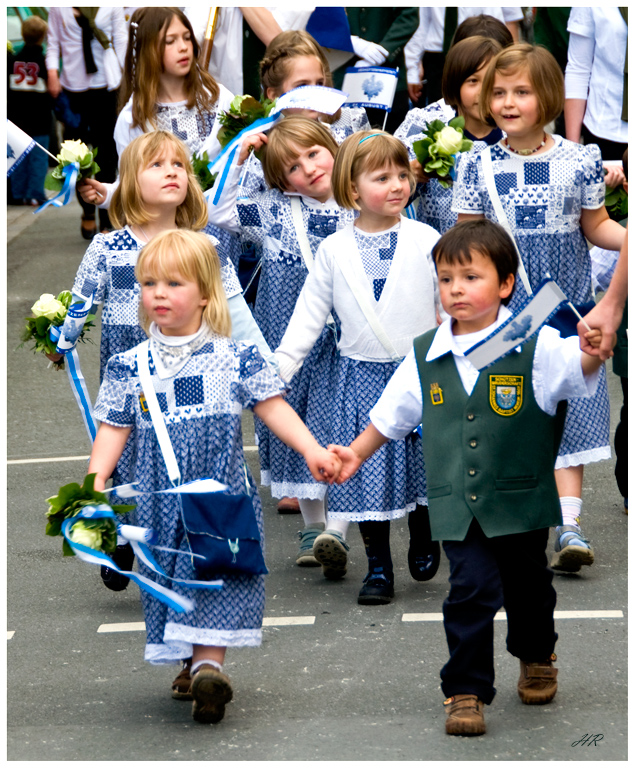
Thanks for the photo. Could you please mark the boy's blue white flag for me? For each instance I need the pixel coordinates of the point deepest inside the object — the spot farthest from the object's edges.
(519, 328)
(19, 144)
(320, 98)
(370, 87)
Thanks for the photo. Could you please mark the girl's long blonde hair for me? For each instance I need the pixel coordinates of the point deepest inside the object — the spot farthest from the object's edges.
(144, 64)
(127, 205)
(191, 255)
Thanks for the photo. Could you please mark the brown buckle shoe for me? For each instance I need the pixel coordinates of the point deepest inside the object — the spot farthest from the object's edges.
(537, 683)
(211, 690)
(182, 683)
(464, 715)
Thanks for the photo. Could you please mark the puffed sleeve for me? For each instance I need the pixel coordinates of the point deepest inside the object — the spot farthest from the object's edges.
(593, 189)
(257, 380)
(115, 401)
(466, 193)
(91, 276)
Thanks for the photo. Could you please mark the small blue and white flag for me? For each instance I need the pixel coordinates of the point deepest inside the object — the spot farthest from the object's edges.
(520, 327)
(19, 144)
(370, 87)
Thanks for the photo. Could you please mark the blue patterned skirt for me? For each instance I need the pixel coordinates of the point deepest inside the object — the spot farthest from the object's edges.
(392, 481)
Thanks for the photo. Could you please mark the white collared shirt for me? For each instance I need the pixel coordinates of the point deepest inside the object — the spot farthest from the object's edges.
(557, 375)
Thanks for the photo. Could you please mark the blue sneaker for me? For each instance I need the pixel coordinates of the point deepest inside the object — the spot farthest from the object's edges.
(571, 549)
(331, 551)
(305, 556)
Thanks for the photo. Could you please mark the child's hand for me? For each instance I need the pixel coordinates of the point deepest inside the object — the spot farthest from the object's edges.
(349, 459)
(55, 357)
(324, 465)
(594, 339)
(92, 191)
(253, 142)
(420, 176)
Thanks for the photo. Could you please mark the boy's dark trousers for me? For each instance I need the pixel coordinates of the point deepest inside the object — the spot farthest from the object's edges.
(487, 574)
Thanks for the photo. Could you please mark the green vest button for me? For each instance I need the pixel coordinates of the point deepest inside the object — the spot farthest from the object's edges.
(470, 417)
(473, 497)
(471, 472)
(473, 443)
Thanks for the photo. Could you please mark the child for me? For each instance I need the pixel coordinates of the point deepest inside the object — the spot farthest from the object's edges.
(552, 191)
(164, 88)
(463, 72)
(298, 161)
(377, 276)
(194, 363)
(294, 58)
(489, 465)
(29, 107)
(158, 191)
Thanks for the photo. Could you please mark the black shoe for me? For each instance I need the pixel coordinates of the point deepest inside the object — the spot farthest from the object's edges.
(424, 560)
(378, 588)
(123, 556)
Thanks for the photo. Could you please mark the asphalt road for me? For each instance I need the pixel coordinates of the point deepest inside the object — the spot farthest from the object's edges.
(339, 682)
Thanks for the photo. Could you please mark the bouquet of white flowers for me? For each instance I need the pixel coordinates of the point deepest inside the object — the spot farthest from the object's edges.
(73, 151)
(437, 152)
(97, 533)
(48, 312)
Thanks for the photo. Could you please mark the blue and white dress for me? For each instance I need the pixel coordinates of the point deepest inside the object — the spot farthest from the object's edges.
(433, 203)
(543, 197)
(393, 272)
(267, 221)
(202, 406)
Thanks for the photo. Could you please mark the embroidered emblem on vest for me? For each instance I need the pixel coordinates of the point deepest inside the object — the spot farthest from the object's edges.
(143, 403)
(436, 394)
(506, 394)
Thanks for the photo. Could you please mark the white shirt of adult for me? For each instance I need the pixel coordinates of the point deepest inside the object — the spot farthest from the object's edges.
(65, 41)
(595, 69)
(226, 60)
(557, 375)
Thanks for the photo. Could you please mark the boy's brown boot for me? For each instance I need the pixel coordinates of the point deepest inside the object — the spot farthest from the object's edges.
(464, 715)
(537, 683)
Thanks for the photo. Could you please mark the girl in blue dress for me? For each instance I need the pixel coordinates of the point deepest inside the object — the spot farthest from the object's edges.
(552, 191)
(463, 73)
(377, 276)
(287, 222)
(203, 380)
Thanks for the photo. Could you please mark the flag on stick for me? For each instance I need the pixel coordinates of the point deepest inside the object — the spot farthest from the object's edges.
(370, 87)
(19, 144)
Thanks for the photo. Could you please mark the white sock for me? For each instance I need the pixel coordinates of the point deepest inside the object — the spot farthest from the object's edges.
(312, 511)
(341, 526)
(571, 510)
(199, 663)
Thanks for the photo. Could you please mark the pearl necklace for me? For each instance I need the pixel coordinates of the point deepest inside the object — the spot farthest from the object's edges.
(525, 151)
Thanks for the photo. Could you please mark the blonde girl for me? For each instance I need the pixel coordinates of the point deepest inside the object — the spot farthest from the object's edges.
(164, 88)
(552, 191)
(205, 379)
(377, 277)
(463, 73)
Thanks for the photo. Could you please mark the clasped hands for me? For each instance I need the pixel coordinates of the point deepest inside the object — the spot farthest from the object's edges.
(334, 464)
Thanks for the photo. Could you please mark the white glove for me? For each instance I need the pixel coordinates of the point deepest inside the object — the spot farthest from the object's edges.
(373, 53)
(363, 63)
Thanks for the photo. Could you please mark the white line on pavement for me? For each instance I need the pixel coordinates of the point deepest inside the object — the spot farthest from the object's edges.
(10, 634)
(271, 621)
(502, 615)
(246, 448)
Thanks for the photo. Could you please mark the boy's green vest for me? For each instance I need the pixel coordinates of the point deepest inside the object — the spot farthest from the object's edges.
(489, 455)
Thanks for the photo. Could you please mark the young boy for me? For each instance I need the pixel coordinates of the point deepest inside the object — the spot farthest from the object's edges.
(490, 442)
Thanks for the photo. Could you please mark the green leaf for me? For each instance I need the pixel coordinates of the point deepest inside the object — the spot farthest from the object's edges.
(435, 126)
(457, 122)
(66, 549)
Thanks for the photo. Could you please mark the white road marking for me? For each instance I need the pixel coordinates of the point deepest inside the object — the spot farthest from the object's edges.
(246, 448)
(271, 621)
(501, 615)
(10, 634)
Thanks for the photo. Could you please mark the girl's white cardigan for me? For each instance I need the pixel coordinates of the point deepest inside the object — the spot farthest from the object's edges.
(406, 308)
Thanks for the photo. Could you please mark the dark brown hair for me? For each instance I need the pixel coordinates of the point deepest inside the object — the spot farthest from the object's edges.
(480, 236)
(463, 60)
(486, 26)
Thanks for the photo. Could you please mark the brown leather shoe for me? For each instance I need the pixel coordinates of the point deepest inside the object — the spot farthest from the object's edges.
(464, 715)
(537, 683)
(211, 690)
(288, 506)
(182, 683)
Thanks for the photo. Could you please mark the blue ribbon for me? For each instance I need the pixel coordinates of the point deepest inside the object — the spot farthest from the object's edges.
(178, 603)
(64, 196)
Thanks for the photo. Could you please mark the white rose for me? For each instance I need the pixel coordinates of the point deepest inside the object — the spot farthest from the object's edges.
(89, 537)
(448, 140)
(48, 306)
(72, 151)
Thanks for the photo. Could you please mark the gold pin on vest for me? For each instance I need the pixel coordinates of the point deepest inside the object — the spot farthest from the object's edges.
(436, 394)
(143, 403)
